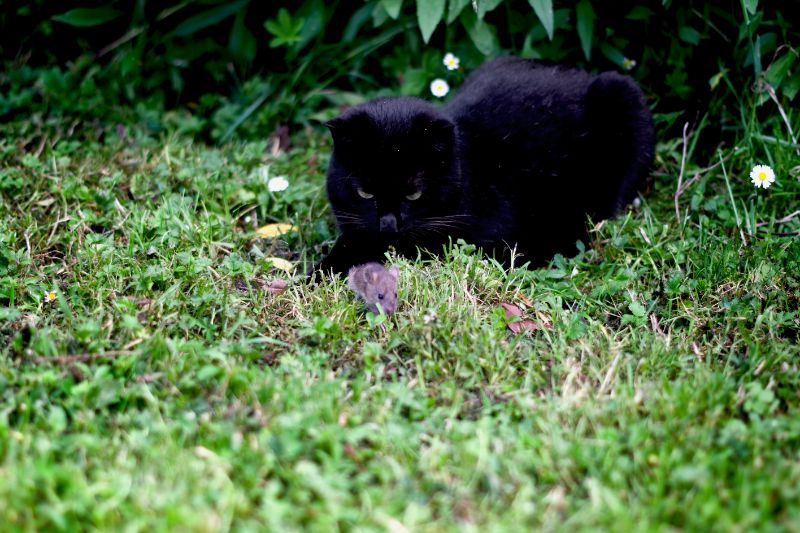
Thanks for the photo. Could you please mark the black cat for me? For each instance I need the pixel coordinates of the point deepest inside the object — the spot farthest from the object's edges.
(517, 159)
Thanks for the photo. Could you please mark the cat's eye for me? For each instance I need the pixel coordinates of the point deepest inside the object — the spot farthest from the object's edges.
(364, 194)
(414, 196)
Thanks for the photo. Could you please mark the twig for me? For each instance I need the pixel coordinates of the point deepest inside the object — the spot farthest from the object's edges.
(654, 324)
(680, 176)
(122, 40)
(41, 146)
(79, 358)
(610, 374)
(733, 202)
(771, 92)
(772, 140)
(58, 221)
(699, 173)
(788, 218)
(784, 220)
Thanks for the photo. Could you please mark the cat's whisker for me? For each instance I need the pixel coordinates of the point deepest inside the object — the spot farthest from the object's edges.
(460, 219)
(346, 215)
(421, 231)
(442, 224)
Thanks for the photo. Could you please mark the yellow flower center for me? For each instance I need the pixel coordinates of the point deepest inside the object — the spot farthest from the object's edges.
(762, 175)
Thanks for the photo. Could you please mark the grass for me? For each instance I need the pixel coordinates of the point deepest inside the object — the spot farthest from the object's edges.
(167, 387)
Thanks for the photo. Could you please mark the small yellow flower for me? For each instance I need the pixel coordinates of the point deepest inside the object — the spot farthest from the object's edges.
(451, 61)
(762, 176)
(49, 296)
(628, 63)
(439, 88)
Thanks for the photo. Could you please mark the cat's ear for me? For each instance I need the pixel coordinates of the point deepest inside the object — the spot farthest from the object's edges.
(435, 131)
(348, 126)
(394, 272)
(431, 125)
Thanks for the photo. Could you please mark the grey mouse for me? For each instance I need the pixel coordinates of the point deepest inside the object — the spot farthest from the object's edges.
(376, 284)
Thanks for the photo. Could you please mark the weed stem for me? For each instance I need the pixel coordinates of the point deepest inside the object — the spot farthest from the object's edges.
(733, 202)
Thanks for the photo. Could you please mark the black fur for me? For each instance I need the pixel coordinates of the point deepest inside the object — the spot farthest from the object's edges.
(518, 158)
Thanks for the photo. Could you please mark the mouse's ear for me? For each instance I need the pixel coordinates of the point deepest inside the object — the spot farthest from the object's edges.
(373, 274)
(394, 272)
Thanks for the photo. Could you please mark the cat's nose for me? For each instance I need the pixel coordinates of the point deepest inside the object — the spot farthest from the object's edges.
(388, 224)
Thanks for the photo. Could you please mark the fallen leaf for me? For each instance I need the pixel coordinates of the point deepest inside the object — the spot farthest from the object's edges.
(523, 325)
(512, 311)
(269, 359)
(545, 320)
(270, 231)
(281, 264)
(276, 286)
(524, 300)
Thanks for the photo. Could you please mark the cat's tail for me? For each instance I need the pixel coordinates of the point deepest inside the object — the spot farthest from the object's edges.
(621, 137)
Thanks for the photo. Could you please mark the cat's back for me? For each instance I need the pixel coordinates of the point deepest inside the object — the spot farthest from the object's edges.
(510, 85)
(514, 115)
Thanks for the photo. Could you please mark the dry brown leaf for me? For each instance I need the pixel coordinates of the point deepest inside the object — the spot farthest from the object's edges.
(524, 299)
(511, 310)
(276, 286)
(517, 326)
(545, 320)
(523, 325)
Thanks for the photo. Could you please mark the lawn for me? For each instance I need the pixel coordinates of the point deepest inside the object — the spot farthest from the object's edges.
(170, 382)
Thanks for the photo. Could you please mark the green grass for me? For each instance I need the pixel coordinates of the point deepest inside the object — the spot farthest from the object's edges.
(167, 388)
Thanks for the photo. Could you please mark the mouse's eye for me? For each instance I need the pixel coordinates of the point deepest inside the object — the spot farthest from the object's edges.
(414, 196)
(364, 194)
(395, 295)
(380, 296)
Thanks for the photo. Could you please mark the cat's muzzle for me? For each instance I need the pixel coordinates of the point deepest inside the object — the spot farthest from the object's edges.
(388, 224)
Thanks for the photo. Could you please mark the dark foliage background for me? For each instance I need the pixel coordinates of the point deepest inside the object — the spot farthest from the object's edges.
(219, 69)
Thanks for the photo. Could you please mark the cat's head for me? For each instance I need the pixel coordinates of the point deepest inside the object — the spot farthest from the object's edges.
(393, 173)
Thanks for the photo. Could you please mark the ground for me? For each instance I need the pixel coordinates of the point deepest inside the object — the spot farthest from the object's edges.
(170, 382)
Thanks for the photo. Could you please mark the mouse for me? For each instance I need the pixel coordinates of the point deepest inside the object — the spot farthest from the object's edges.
(376, 285)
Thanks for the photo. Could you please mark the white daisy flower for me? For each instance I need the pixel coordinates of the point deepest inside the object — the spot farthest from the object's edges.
(49, 296)
(762, 176)
(278, 183)
(451, 61)
(628, 63)
(439, 88)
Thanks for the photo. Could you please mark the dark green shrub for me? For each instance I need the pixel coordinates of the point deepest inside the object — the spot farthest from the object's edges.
(247, 66)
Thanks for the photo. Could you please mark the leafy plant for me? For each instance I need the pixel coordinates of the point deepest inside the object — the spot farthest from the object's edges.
(285, 29)
(209, 55)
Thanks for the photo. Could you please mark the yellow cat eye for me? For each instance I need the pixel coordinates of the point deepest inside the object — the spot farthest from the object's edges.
(414, 196)
(363, 194)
